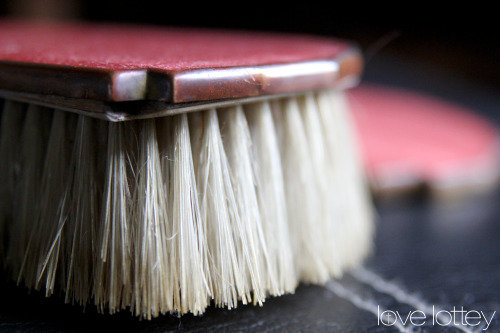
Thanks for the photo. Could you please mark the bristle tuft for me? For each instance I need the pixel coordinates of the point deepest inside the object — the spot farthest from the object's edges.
(169, 215)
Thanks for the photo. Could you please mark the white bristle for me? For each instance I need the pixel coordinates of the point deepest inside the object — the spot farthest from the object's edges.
(26, 198)
(353, 206)
(150, 223)
(46, 252)
(81, 211)
(302, 198)
(270, 191)
(112, 247)
(167, 215)
(220, 217)
(10, 155)
(252, 252)
(323, 170)
(188, 252)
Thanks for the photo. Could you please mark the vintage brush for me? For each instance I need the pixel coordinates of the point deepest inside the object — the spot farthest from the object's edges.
(161, 170)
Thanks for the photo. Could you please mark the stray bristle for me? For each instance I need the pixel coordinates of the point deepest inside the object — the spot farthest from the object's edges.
(167, 215)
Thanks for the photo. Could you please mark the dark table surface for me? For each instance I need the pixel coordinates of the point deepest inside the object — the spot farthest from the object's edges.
(428, 256)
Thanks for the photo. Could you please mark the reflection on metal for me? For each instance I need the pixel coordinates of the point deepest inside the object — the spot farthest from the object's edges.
(104, 91)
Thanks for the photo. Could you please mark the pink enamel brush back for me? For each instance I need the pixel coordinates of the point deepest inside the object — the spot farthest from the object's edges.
(118, 47)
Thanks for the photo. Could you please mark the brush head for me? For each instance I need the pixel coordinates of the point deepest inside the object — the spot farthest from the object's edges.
(411, 141)
(97, 68)
(224, 206)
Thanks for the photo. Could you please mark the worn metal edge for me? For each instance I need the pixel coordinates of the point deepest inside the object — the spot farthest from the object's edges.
(227, 83)
(181, 86)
